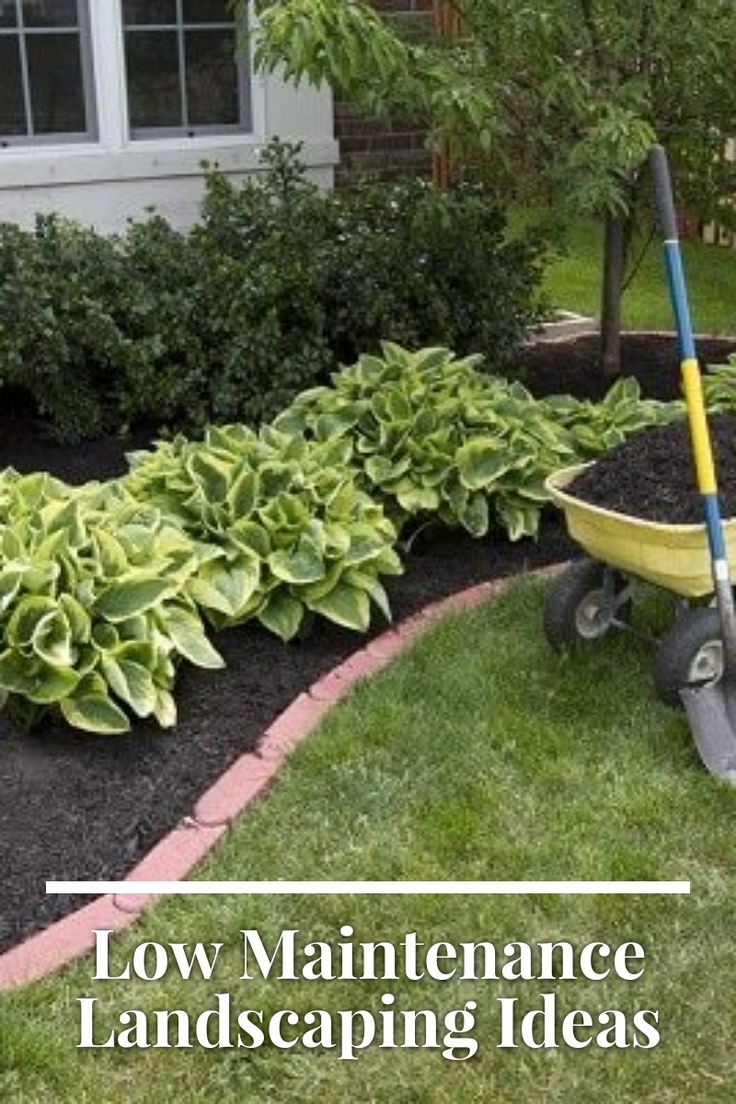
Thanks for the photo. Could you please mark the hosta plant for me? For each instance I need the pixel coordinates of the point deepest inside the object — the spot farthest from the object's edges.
(598, 427)
(719, 386)
(94, 611)
(433, 435)
(296, 533)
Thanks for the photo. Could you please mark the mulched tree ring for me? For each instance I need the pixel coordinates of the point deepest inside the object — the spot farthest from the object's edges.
(651, 476)
(556, 367)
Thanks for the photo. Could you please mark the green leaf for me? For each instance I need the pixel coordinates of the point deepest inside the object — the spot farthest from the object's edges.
(77, 617)
(51, 684)
(346, 605)
(211, 475)
(481, 462)
(227, 588)
(243, 495)
(52, 640)
(96, 713)
(132, 683)
(520, 520)
(415, 499)
(16, 672)
(474, 515)
(26, 617)
(186, 631)
(303, 565)
(165, 709)
(112, 558)
(133, 595)
(10, 580)
(282, 614)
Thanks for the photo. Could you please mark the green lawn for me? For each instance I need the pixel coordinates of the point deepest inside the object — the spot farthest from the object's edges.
(573, 281)
(478, 755)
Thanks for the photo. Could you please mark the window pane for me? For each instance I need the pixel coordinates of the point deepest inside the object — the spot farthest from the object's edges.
(154, 94)
(7, 13)
(50, 13)
(57, 88)
(12, 111)
(212, 78)
(208, 11)
(148, 11)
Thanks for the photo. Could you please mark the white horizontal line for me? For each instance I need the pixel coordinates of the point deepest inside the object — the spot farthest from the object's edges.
(348, 888)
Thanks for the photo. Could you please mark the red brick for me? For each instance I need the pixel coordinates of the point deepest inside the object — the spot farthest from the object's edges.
(59, 944)
(170, 860)
(246, 779)
(291, 727)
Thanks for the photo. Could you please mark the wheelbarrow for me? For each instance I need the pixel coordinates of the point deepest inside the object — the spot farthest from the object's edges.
(696, 661)
(595, 594)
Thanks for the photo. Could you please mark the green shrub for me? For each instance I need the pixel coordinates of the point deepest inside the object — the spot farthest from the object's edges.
(297, 534)
(405, 261)
(59, 339)
(278, 284)
(434, 436)
(94, 613)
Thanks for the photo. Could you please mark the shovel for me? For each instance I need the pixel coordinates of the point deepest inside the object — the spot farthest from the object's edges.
(711, 709)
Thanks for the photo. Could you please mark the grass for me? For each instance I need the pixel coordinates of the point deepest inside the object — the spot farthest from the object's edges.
(572, 281)
(478, 755)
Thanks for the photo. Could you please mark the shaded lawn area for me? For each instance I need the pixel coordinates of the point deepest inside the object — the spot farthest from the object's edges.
(572, 281)
(479, 755)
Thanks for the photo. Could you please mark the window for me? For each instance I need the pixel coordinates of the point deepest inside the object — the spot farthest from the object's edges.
(45, 72)
(185, 72)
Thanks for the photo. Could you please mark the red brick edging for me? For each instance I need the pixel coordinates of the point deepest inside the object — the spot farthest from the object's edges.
(185, 846)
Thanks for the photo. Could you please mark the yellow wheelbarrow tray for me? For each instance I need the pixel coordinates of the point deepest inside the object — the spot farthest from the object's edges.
(674, 557)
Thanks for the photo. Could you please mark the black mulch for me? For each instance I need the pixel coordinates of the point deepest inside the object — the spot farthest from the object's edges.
(651, 475)
(569, 366)
(78, 807)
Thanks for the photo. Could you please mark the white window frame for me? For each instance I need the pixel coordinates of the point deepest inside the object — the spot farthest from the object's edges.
(22, 33)
(179, 27)
(114, 154)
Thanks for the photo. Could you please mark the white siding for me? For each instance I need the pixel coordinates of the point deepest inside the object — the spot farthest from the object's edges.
(107, 182)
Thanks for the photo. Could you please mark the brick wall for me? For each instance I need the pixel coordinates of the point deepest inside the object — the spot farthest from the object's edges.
(370, 146)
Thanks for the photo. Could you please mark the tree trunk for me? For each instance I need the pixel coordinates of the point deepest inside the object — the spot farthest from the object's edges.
(615, 257)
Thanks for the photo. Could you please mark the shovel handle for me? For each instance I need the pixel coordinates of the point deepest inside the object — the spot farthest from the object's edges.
(665, 202)
(697, 416)
(663, 194)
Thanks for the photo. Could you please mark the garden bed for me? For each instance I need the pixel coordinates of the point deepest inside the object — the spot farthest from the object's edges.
(85, 807)
(554, 367)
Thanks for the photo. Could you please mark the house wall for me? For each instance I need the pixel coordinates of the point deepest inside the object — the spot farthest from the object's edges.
(369, 146)
(106, 182)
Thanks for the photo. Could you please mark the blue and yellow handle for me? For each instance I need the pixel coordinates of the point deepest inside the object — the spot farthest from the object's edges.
(692, 384)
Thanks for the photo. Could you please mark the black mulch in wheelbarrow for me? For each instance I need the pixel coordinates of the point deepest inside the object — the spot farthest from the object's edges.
(79, 807)
(651, 475)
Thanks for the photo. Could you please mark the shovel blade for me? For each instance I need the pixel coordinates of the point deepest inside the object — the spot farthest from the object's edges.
(711, 711)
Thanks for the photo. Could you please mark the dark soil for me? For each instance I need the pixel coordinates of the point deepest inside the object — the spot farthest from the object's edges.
(651, 475)
(557, 367)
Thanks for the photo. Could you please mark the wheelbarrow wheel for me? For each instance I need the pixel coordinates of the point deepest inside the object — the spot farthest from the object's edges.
(576, 610)
(691, 654)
